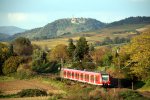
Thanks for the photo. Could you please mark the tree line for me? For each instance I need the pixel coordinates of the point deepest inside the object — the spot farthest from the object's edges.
(116, 40)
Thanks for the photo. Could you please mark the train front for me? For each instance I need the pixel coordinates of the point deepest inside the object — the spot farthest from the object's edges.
(106, 79)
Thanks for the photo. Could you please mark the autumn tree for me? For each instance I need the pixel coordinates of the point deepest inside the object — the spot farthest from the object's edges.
(22, 46)
(81, 50)
(59, 53)
(98, 55)
(5, 53)
(11, 64)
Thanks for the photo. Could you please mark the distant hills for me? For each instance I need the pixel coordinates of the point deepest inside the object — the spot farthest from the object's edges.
(10, 30)
(71, 26)
(131, 20)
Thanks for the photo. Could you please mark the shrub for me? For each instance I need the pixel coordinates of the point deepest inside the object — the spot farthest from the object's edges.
(24, 72)
(31, 93)
(95, 95)
(130, 95)
(147, 83)
(11, 64)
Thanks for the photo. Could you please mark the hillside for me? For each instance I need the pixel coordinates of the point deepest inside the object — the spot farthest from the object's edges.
(28, 34)
(131, 20)
(122, 31)
(4, 37)
(10, 30)
(63, 26)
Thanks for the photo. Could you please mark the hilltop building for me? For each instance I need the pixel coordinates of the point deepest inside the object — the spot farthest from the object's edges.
(78, 20)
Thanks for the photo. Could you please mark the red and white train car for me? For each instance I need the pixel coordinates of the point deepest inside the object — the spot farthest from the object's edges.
(94, 78)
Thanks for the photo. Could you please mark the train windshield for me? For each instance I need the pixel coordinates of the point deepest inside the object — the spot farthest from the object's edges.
(105, 77)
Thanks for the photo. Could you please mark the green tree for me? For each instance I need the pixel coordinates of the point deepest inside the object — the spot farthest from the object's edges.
(40, 63)
(22, 46)
(11, 51)
(91, 47)
(107, 59)
(81, 50)
(116, 40)
(38, 57)
(71, 48)
(107, 40)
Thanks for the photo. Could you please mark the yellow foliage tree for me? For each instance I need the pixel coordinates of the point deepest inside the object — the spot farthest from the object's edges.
(139, 50)
(59, 52)
(4, 54)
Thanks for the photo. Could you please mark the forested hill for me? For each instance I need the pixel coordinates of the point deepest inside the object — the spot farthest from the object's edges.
(62, 26)
(3, 36)
(131, 20)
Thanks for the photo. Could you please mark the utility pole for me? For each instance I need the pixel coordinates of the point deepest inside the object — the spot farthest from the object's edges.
(118, 50)
(61, 69)
(61, 63)
(132, 84)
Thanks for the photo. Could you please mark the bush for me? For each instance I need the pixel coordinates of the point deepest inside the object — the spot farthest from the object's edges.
(95, 95)
(130, 95)
(11, 64)
(31, 93)
(24, 72)
(147, 83)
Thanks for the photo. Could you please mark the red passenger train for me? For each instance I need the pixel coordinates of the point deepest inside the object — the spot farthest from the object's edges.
(94, 78)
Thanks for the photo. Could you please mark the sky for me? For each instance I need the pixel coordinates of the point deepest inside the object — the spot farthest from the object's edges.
(30, 14)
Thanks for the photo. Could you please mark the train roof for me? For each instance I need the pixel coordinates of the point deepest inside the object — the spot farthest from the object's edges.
(84, 71)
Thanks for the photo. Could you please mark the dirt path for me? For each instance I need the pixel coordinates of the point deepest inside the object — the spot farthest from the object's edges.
(17, 85)
(27, 98)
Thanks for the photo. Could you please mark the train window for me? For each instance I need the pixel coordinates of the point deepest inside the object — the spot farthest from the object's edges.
(97, 78)
(92, 78)
(72, 74)
(81, 76)
(68, 74)
(64, 73)
(86, 77)
(105, 77)
(77, 75)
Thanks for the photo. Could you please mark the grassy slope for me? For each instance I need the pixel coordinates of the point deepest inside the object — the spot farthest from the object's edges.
(92, 36)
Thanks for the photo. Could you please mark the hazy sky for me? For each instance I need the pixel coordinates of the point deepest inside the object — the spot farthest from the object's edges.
(36, 13)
